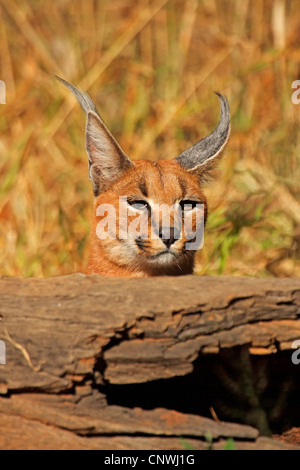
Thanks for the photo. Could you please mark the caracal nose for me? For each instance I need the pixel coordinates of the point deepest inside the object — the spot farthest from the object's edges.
(168, 235)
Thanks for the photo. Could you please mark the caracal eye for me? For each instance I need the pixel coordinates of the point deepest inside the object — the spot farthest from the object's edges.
(138, 205)
(188, 205)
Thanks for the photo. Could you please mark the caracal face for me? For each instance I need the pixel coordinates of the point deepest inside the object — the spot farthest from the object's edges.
(159, 212)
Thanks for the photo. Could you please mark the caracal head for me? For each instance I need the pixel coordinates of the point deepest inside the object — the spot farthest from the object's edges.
(148, 215)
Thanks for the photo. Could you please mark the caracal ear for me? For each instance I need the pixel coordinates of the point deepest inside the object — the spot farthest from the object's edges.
(107, 161)
(203, 156)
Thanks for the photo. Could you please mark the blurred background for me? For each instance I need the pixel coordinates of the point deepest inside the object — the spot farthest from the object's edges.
(151, 67)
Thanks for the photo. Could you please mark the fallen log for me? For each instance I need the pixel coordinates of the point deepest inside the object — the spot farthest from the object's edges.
(99, 359)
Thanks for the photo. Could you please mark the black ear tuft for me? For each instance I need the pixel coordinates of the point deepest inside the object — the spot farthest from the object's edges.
(107, 161)
(203, 156)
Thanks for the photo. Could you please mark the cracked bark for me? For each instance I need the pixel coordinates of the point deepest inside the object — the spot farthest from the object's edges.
(69, 340)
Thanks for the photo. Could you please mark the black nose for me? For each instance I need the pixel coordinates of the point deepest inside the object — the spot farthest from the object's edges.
(168, 235)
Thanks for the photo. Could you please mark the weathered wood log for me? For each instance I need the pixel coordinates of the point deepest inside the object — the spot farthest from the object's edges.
(70, 339)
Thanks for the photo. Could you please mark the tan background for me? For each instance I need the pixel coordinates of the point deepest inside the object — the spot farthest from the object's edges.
(151, 67)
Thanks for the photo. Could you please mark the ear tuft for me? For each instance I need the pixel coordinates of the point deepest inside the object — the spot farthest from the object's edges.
(204, 155)
(107, 161)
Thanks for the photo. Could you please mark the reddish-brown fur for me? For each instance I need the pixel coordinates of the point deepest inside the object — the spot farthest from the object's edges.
(144, 242)
(165, 181)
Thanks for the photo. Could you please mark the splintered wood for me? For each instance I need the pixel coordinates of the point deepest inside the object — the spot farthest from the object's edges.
(65, 336)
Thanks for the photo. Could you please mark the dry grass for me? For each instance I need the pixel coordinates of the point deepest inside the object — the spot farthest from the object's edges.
(151, 67)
